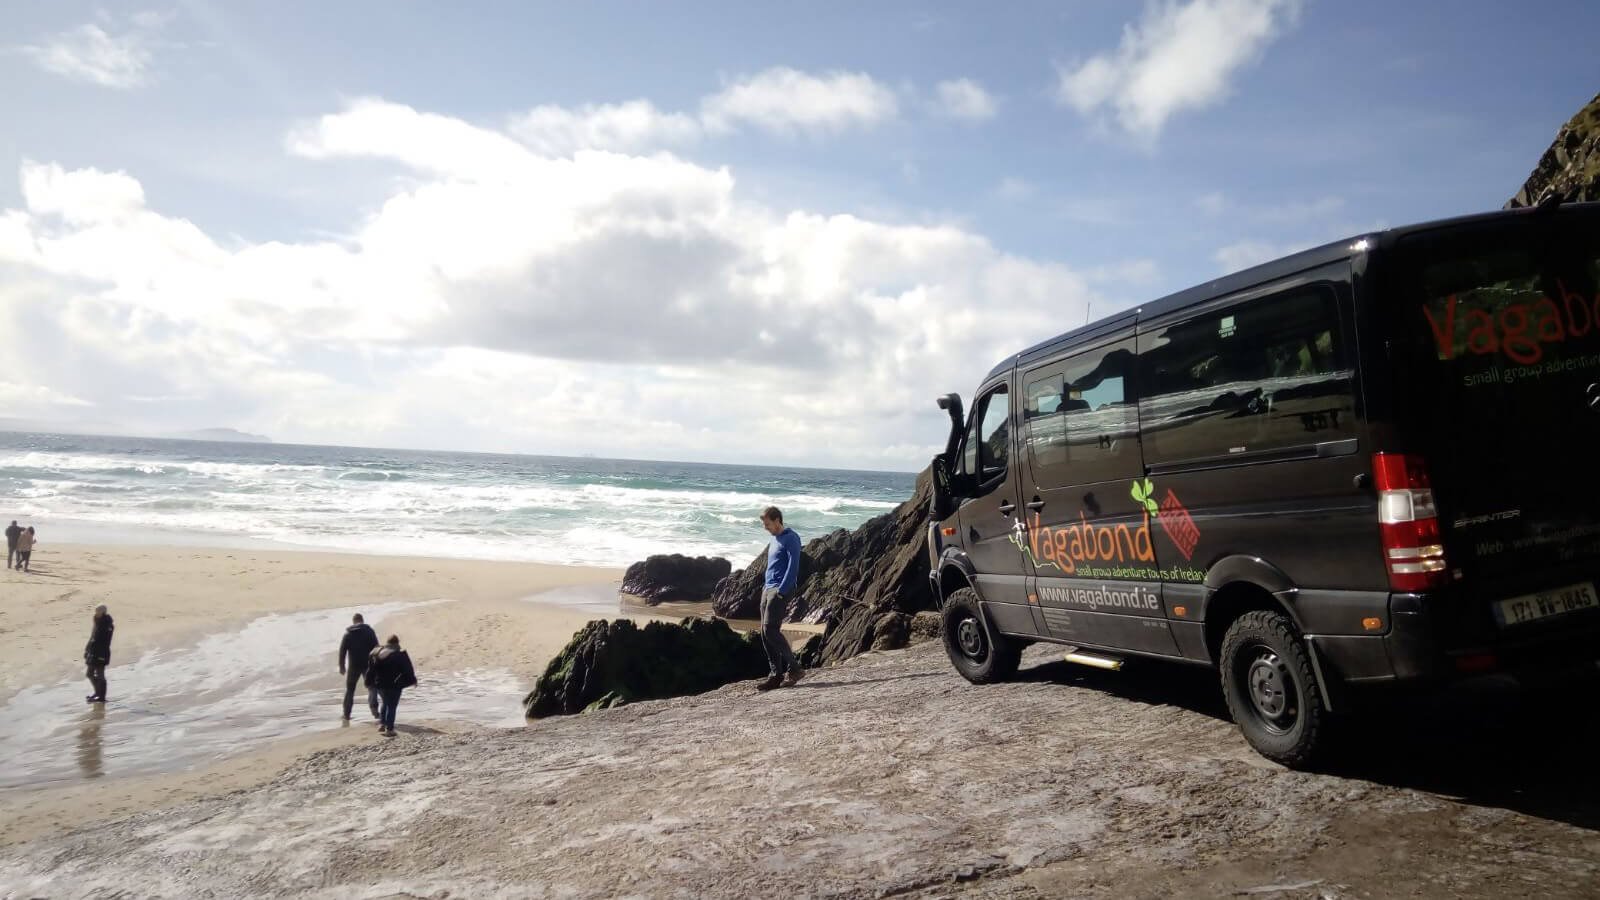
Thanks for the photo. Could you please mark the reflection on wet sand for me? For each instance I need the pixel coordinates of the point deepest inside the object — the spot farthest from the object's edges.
(90, 761)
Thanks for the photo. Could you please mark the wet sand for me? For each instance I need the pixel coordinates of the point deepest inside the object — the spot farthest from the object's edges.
(224, 669)
(163, 597)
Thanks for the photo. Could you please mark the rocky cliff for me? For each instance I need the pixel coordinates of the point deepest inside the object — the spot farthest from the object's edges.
(852, 581)
(1570, 169)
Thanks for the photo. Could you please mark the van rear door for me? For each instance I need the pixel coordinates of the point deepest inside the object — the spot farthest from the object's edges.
(1500, 390)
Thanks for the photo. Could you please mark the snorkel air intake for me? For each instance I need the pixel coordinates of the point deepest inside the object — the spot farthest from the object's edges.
(951, 403)
(943, 497)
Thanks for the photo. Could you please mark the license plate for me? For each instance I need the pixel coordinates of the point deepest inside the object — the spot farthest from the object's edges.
(1545, 604)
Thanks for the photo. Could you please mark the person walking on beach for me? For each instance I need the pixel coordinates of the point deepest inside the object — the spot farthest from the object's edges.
(97, 653)
(355, 650)
(390, 672)
(25, 549)
(783, 574)
(13, 532)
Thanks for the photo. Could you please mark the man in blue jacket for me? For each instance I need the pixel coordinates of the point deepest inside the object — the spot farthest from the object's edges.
(783, 574)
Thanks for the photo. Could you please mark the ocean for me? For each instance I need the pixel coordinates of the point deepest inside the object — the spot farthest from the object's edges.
(586, 511)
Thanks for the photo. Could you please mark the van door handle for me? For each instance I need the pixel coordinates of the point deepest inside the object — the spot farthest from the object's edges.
(1035, 505)
(1007, 508)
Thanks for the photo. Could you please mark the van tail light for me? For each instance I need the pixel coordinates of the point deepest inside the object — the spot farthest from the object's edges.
(1412, 546)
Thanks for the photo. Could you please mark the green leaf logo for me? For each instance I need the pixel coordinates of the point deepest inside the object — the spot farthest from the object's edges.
(1144, 493)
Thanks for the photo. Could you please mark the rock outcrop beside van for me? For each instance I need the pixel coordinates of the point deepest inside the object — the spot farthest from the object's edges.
(1570, 169)
(849, 579)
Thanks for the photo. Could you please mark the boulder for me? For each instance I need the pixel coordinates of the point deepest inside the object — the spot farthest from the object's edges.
(611, 663)
(891, 631)
(925, 626)
(674, 576)
(1570, 169)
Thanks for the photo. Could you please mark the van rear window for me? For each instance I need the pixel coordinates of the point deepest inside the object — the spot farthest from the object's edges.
(1266, 374)
(1503, 311)
(1499, 391)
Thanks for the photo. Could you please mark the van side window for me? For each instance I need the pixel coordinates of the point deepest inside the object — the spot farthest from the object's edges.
(1266, 374)
(988, 447)
(1082, 422)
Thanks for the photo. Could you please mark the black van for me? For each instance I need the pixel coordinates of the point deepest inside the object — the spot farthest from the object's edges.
(1372, 463)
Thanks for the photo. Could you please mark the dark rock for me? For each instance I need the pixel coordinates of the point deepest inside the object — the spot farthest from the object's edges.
(1570, 169)
(675, 577)
(611, 663)
(891, 631)
(883, 564)
(925, 626)
(810, 655)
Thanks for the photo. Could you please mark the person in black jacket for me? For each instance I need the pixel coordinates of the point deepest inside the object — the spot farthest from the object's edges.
(13, 531)
(390, 672)
(355, 649)
(97, 653)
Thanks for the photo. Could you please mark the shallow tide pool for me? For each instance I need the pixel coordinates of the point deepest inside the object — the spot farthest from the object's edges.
(179, 709)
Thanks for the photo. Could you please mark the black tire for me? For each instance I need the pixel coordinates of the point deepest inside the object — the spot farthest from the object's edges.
(1271, 690)
(981, 655)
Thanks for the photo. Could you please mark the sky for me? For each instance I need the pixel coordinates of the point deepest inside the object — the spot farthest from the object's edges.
(741, 232)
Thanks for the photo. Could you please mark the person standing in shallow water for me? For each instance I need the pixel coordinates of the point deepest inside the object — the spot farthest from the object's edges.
(390, 672)
(355, 651)
(97, 653)
(783, 575)
(25, 542)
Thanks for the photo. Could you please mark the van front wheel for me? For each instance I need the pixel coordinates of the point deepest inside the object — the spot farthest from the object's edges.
(1271, 691)
(980, 655)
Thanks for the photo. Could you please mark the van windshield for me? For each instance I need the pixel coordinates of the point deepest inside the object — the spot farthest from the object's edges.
(1504, 382)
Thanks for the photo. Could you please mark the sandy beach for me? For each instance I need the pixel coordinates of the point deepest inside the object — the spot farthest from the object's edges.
(167, 599)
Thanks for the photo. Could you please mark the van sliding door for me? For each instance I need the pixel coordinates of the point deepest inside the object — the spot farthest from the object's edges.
(1088, 532)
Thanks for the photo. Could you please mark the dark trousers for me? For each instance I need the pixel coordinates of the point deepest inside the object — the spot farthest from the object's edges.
(97, 677)
(780, 658)
(352, 678)
(11, 555)
(391, 700)
(22, 559)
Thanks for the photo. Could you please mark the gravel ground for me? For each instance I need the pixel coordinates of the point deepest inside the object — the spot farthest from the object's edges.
(890, 776)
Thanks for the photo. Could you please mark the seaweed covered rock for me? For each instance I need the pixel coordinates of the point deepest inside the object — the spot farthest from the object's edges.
(674, 576)
(883, 563)
(611, 663)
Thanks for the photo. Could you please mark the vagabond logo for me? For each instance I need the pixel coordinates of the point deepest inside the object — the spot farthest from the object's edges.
(1067, 547)
(1105, 549)
(1173, 516)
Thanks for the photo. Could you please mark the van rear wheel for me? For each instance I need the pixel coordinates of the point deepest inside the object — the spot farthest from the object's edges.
(978, 653)
(1271, 690)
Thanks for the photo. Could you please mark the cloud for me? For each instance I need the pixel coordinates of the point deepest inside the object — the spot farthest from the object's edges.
(507, 298)
(1178, 57)
(966, 99)
(1213, 203)
(32, 399)
(91, 54)
(786, 101)
(1140, 273)
(631, 126)
(1014, 189)
(1298, 211)
(1247, 253)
